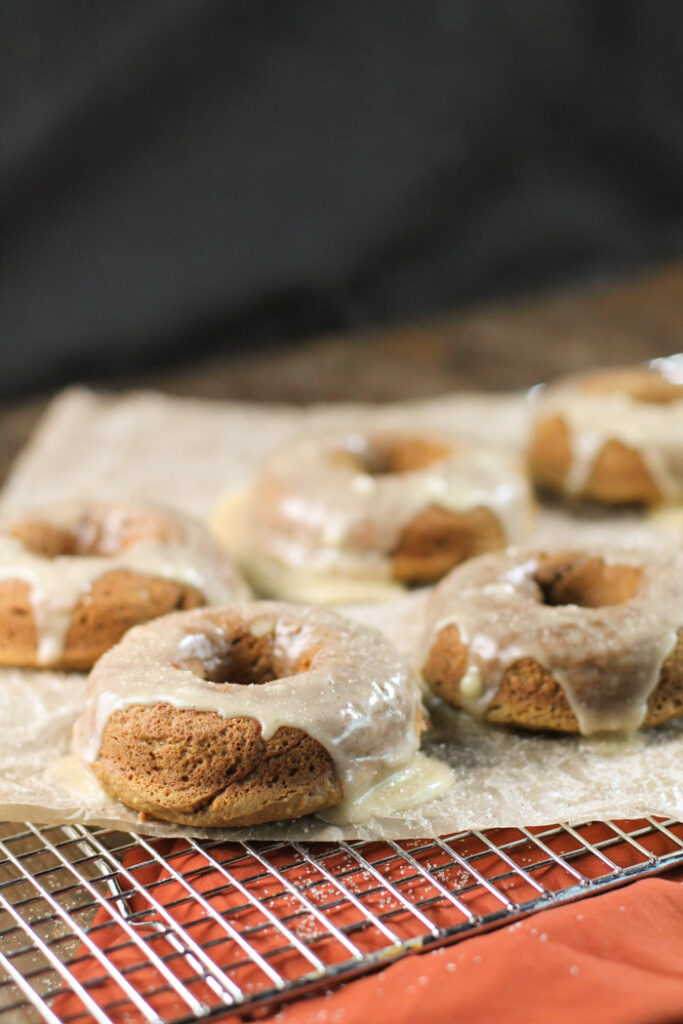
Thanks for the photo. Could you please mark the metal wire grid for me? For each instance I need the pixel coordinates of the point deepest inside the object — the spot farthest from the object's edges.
(106, 926)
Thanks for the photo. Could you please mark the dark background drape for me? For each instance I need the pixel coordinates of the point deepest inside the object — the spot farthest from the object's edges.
(177, 177)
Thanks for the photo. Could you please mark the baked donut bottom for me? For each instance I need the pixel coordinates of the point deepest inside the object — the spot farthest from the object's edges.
(612, 436)
(438, 539)
(597, 599)
(112, 605)
(529, 696)
(198, 768)
(618, 475)
(74, 577)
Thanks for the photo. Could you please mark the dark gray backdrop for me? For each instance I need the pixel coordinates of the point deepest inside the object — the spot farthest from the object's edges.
(177, 175)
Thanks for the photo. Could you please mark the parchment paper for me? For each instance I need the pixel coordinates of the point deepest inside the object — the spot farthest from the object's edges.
(147, 445)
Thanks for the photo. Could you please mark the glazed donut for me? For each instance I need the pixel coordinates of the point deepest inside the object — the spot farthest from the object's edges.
(263, 711)
(613, 436)
(74, 577)
(581, 641)
(360, 515)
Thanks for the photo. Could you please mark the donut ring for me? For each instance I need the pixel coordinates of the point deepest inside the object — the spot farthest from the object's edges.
(579, 641)
(613, 436)
(230, 717)
(361, 515)
(74, 578)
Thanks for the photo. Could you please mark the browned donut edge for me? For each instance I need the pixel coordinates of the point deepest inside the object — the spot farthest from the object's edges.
(438, 539)
(618, 476)
(198, 768)
(531, 698)
(114, 603)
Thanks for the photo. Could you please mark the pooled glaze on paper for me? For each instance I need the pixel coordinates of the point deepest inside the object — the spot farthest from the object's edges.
(497, 607)
(267, 576)
(188, 556)
(423, 779)
(359, 699)
(310, 515)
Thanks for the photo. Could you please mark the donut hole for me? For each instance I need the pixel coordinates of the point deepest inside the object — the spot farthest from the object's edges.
(638, 383)
(585, 580)
(90, 534)
(242, 658)
(390, 454)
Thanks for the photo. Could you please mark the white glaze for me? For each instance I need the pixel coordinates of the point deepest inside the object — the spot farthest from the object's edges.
(359, 699)
(607, 659)
(653, 429)
(268, 576)
(316, 520)
(471, 686)
(77, 778)
(421, 780)
(189, 556)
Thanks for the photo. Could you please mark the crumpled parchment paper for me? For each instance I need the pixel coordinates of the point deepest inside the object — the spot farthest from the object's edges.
(144, 445)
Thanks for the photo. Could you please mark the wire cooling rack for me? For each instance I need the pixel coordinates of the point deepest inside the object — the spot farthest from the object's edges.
(106, 926)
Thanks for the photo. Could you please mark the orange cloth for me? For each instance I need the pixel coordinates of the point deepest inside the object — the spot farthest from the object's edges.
(611, 959)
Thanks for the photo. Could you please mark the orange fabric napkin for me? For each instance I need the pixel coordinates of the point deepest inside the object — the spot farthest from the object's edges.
(610, 959)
